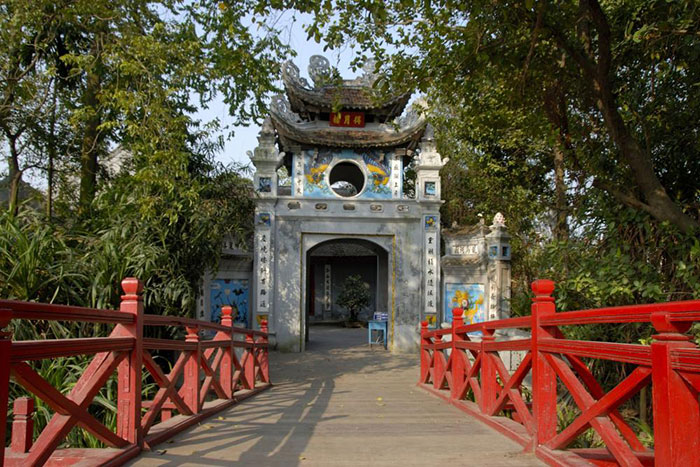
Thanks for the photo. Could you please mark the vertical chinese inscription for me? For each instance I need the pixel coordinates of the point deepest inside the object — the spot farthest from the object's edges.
(396, 174)
(493, 298)
(263, 244)
(298, 175)
(430, 277)
(327, 288)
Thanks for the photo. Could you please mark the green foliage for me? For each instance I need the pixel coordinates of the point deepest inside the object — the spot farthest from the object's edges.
(354, 295)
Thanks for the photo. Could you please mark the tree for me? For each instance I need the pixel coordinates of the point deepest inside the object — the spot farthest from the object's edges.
(590, 83)
(354, 296)
(127, 73)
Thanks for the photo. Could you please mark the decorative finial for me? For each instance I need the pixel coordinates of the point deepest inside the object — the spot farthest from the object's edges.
(542, 288)
(132, 286)
(429, 134)
(499, 220)
(267, 128)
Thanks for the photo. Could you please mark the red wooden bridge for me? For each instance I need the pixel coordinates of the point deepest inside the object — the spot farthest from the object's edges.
(233, 364)
(467, 371)
(472, 376)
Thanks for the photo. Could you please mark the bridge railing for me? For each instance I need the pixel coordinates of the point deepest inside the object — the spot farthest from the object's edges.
(468, 372)
(208, 375)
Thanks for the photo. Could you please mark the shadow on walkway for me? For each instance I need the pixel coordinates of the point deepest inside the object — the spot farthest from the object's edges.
(339, 403)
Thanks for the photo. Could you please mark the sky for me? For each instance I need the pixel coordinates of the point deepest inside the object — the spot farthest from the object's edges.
(245, 138)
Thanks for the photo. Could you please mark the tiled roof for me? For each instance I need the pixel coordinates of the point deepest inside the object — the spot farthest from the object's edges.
(351, 94)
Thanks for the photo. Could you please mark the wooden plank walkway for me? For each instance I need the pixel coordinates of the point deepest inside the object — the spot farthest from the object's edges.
(340, 404)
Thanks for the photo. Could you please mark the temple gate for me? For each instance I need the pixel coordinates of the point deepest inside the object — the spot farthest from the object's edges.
(350, 208)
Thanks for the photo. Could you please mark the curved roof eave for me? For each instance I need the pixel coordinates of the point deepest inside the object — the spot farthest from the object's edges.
(351, 95)
(310, 133)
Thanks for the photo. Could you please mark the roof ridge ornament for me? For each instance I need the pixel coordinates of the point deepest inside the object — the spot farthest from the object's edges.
(292, 71)
(319, 70)
(281, 106)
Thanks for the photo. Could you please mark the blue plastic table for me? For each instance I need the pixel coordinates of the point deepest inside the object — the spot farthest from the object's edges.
(381, 328)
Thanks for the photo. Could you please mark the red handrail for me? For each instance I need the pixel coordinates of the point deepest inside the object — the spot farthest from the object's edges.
(233, 365)
(468, 372)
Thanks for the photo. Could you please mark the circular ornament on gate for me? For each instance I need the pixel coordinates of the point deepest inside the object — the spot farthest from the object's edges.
(347, 179)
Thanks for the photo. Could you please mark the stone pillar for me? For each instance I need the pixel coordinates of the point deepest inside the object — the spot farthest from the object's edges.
(428, 195)
(498, 247)
(267, 160)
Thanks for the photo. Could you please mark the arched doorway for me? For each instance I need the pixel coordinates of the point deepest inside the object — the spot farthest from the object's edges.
(329, 263)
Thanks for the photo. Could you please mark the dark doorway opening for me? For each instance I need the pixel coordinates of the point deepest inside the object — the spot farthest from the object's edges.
(329, 264)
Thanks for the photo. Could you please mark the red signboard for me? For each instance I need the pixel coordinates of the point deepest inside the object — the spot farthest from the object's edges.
(348, 119)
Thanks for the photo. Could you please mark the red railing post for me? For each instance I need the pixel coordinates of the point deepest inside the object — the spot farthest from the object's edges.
(438, 364)
(458, 366)
(424, 354)
(5, 349)
(129, 373)
(489, 382)
(191, 382)
(226, 366)
(22, 425)
(249, 365)
(544, 379)
(676, 407)
(264, 355)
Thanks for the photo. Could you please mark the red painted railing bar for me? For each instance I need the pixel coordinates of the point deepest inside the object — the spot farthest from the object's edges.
(686, 359)
(471, 345)
(517, 344)
(34, 311)
(510, 323)
(159, 320)
(22, 424)
(165, 344)
(39, 350)
(678, 311)
(627, 353)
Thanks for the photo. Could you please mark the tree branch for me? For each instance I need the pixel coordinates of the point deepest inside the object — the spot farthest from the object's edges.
(603, 28)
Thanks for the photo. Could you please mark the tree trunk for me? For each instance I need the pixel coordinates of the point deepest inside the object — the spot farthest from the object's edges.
(597, 69)
(561, 229)
(51, 153)
(89, 145)
(657, 202)
(655, 199)
(15, 176)
(555, 108)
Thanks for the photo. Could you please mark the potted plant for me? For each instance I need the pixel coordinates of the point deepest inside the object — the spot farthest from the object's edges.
(354, 296)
